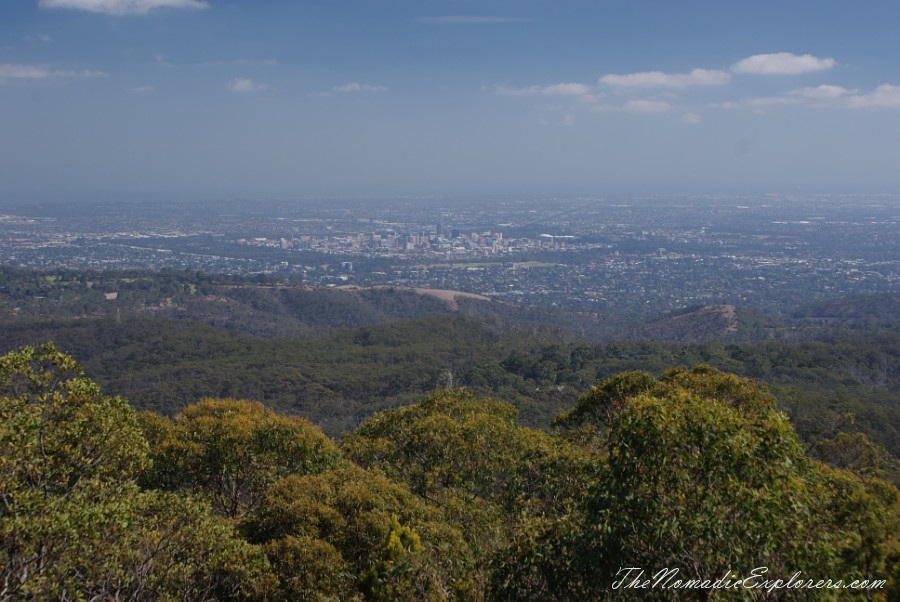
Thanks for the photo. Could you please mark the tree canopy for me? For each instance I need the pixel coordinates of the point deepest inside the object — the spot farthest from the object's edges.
(696, 473)
(231, 451)
(706, 477)
(73, 522)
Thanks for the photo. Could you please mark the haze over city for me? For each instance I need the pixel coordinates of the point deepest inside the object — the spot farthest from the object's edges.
(143, 100)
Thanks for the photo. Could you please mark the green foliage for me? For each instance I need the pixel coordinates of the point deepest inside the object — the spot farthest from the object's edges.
(164, 357)
(705, 475)
(467, 456)
(696, 483)
(598, 406)
(309, 569)
(452, 500)
(454, 445)
(231, 451)
(542, 561)
(854, 451)
(864, 514)
(73, 523)
(57, 431)
(131, 544)
(390, 579)
(382, 541)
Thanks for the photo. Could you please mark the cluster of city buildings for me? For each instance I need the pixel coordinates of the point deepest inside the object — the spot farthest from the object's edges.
(440, 242)
(585, 255)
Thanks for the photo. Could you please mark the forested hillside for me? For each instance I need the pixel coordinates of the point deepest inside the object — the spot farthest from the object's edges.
(167, 340)
(342, 377)
(445, 499)
(469, 449)
(268, 307)
(883, 308)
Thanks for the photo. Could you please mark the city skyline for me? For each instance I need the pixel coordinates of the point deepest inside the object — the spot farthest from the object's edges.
(202, 99)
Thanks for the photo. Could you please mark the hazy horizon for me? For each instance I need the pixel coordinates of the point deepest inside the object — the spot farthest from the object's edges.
(201, 99)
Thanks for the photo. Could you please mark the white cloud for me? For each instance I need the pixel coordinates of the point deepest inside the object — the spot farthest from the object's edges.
(782, 63)
(566, 90)
(647, 106)
(507, 91)
(591, 97)
(636, 106)
(824, 97)
(12, 71)
(122, 7)
(356, 87)
(471, 20)
(823, 92)
(243, 84)
(691, 118)
(884, 96)
(759, 104)
(39, 38)
(551, 90)
(658, 79)
(771, 101)
(568, 120)
(82, 73)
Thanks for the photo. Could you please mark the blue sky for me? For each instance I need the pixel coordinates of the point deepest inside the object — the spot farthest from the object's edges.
(205, 99)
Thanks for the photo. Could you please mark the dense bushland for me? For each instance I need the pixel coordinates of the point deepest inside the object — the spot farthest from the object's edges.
(446, 499)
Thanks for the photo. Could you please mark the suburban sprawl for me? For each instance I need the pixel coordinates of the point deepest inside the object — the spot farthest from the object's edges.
(642, 255)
